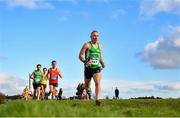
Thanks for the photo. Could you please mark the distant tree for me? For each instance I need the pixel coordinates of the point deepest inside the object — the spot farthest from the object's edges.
(151, 97)
(2, 98)
(13, 97)
(107, 97)
(158, 98)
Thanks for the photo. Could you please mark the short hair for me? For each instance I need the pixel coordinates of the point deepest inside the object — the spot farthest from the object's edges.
(53, 61)
(94, 31)
(44, 68)
(38, 65)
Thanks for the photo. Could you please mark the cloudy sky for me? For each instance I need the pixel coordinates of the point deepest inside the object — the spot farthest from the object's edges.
(141, 40)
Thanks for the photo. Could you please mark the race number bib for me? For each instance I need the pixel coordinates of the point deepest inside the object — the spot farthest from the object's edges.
(37, 80)
(54, 77)
(94, 61)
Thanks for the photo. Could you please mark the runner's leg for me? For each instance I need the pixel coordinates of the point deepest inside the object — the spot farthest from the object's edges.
(43, 92)
(87, 82)
(51, 89)
(38, 93)
(97, 80)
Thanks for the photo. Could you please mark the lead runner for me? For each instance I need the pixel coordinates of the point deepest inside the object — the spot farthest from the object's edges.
(91, 55)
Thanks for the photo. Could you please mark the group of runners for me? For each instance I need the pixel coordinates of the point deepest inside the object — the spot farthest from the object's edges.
(41, 78)
(91, 56)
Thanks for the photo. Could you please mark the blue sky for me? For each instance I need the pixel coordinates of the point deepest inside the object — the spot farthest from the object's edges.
(140, 38)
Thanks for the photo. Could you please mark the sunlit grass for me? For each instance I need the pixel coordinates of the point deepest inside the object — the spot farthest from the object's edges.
(53, 108)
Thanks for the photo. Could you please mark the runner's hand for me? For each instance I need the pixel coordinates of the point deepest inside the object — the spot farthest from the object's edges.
(88, 64)
(103, 65)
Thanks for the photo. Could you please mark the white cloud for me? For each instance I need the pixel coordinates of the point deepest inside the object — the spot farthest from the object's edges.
(150, 8)
(117, 14)
(128, 89)
(163, 53)
(175, 86)
(24, 3)
(30, 4)
(75, 2)
(10, 84)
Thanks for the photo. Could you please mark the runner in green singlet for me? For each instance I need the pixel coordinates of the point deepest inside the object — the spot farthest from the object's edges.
(37, 77)
(91, 56)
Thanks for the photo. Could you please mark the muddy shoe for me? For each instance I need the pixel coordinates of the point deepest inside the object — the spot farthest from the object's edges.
(98, 103)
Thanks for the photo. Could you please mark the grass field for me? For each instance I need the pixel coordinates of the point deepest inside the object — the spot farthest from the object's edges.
(134, 107)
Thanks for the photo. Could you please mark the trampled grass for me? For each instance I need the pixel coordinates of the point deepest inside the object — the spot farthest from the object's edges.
(77, 108)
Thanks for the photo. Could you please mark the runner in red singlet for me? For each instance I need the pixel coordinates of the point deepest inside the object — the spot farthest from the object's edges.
(53, 74)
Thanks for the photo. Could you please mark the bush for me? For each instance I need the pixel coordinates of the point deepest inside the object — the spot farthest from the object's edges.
(2, 98)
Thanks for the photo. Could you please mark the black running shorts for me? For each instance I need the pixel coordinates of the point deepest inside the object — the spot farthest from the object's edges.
(89, 72)
(54, 84)
(36, 85)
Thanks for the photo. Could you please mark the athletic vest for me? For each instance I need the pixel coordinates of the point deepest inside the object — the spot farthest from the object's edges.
(37, 76)
(93, 54)
(44, 79)
(53, 75)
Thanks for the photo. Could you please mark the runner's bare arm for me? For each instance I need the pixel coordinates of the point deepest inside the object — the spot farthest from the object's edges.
(82, 52)
(60, 75)
(32, 75)
(48, 74)
(101, 60)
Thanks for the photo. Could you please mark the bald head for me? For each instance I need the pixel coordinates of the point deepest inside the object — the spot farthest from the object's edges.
(94, 36)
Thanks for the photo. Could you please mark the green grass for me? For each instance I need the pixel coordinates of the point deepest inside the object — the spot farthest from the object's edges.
(135, 107)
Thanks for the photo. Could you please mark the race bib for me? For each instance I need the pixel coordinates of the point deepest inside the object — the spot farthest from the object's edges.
(95, 61)
(54, 77)
(37, 80)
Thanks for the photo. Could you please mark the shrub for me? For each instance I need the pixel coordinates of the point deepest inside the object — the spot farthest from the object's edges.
(2, 98)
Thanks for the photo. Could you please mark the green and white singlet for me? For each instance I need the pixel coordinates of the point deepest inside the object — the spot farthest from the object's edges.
(37, 76)
(93, 54)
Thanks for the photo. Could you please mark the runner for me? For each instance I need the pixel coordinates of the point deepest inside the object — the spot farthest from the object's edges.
(37, 77)
(91, 56)
(53, 74)
(44, 82)
(25, 94)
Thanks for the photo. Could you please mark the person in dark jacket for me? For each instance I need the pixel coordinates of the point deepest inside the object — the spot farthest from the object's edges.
(116, 93)
(60, 94)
